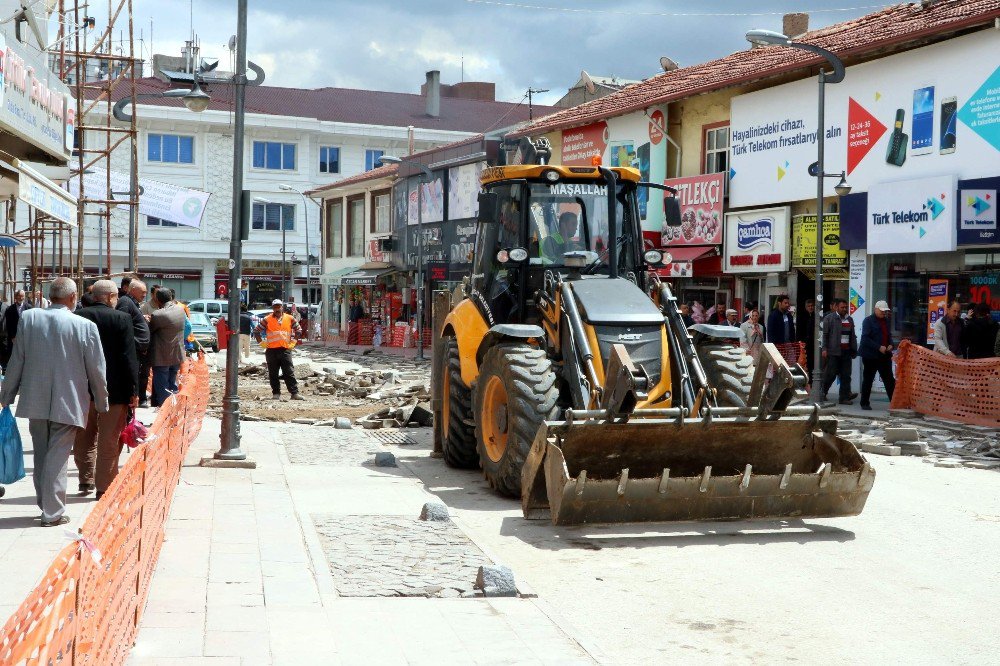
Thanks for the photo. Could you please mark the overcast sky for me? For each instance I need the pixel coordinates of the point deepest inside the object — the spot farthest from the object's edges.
(389, 44)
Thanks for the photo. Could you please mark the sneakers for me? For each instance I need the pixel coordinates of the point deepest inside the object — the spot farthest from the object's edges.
(87, 488)
(61, 520)
(275, 396)
(296, 396)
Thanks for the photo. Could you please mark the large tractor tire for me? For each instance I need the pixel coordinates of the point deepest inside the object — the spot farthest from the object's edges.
(458, 438)
(729, 370)
(515, 393)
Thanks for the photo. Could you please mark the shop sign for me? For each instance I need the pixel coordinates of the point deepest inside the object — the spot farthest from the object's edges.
(42, 194)
(580, 145)
(937, 303)
(460, 239)
(804, 242)
(985, 288)
(977, 216)
(701, 201)
(927, 111)
(463, 191)
(857, 277)
(437, 271)
(167, 274)
(374, 251)
(34, 104)
(912, 216)
(757, 241)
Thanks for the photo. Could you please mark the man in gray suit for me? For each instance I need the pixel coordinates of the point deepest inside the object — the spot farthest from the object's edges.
(57, 364)
(166, 330)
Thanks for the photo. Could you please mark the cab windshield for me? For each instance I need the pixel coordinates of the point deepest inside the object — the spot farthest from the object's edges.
(573, 217)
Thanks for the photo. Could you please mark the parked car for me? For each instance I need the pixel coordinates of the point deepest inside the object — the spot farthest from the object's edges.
(211, 307)
(204, 331)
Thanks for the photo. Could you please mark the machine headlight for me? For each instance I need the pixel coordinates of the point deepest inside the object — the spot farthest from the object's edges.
(518, 254)
(551, 176)
(654, 257)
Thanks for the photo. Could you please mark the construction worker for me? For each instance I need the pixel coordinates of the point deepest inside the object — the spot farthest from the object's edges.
(280, 331)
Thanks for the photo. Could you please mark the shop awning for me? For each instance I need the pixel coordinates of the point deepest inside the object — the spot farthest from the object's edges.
(6, 240)
(682, 260)
(365, 278)
(333, 277)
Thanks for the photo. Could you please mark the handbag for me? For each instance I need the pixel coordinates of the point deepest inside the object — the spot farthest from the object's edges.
(11, 452)
(134, 433)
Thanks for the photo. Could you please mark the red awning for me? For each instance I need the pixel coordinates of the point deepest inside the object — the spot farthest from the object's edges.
(687, 253)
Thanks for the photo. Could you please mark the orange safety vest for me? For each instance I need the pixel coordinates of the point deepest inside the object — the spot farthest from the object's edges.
(279, 331)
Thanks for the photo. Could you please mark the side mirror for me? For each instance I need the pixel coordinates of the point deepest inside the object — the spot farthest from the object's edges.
(489, 204)
(672, 211)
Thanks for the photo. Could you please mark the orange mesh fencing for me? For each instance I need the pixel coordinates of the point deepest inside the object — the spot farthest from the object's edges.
(86, 610)
(952, 388)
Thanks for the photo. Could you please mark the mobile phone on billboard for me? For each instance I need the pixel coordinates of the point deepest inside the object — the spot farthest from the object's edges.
(895, 152)
(949, 113)
(922, 131)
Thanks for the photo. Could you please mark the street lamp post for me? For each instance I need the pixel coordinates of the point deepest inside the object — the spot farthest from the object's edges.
(766, 38)
(426, 177)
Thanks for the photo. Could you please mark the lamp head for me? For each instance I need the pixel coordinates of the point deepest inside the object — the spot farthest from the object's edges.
(767, 38)
(842, 188)
(389, 159)
(285, 187)
(197, 100)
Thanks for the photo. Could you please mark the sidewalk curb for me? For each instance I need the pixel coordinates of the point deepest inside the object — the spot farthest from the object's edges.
(321, 567)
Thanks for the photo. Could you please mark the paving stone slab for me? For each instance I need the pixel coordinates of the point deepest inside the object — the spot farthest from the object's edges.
(398, 556)
(308, 445)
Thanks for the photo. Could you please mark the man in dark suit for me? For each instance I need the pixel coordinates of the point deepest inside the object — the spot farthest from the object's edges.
(11, 318)
(805, 329)
(96, 449)
(780, 323)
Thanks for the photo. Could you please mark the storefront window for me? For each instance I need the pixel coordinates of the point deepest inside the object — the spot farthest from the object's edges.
(334, 235)
(382, 218)
(356, 228)
(895, 280)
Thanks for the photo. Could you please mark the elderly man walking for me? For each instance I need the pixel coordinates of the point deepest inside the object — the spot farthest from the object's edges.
(99, 440)
(56, 366)
(840, 347)
(875, 349)
(136, 295)
(166, 330)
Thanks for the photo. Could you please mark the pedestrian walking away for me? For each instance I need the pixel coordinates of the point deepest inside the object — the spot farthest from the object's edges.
(980, 333)
(875, 348)
(97, 449)
(781, 323)
(166, 330)
(948, 331)
(57, 368)
(279, 331)
(840, 347)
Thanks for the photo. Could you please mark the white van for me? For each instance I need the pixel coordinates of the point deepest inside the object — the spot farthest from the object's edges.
(213, 308)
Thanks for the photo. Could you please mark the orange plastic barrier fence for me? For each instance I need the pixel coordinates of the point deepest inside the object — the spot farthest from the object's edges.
(86, 610)
(953, 388)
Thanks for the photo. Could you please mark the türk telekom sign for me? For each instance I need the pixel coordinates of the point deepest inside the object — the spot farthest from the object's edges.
(757, 241)
(701, 203)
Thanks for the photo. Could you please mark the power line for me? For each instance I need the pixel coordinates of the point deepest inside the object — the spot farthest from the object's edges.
(504, 116)
(576, 10)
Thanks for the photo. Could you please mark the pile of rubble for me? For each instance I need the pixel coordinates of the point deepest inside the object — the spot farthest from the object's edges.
(939, 442)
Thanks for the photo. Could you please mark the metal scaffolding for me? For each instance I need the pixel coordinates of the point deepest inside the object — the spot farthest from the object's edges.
(98, 71)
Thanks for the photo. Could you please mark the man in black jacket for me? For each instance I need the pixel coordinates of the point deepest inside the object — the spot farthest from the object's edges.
(137, 294)
(805, 331)
(97, 449)
(11, 318)
(780, 323)
(129, 305)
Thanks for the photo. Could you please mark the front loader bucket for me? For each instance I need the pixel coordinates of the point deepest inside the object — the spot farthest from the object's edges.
(739, 468)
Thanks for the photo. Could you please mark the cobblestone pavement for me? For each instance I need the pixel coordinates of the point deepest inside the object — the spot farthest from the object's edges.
(320, 445)
(396, 556)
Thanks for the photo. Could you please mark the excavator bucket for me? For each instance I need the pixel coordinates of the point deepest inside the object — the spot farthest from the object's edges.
(725, 466)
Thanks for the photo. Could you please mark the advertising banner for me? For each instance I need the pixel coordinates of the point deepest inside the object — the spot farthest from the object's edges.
(701, 203)
(928, 111)
(804, 242)
(41, 193)
(756, 241)
(977, 211)
(432, 199)
(633, 141)
(463, 191)
(857, 276)
(912, 216)
(460, 241)
(937, 303)
(163, 200)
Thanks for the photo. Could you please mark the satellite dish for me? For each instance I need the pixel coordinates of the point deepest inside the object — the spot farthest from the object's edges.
(668, 64)
(588, 82)
(232, 43)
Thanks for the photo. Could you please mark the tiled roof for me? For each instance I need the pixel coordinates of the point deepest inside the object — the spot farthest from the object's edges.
(346, 105)
(890, 27)
(387, 171)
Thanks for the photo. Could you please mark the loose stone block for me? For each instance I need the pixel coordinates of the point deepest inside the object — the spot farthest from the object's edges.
(496, 581)
(880, 449)
(385, 459)
(913, 448)
(893, 435)
(435, 511)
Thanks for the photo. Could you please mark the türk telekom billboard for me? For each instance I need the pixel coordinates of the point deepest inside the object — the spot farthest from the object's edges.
(922, 113)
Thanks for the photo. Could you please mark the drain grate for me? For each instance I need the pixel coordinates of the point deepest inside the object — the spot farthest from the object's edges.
(392, 437)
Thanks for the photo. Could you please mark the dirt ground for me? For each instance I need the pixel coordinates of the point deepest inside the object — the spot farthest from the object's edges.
(255, 391)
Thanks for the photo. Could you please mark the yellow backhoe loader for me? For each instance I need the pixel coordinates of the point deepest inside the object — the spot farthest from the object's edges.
(567, 375)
